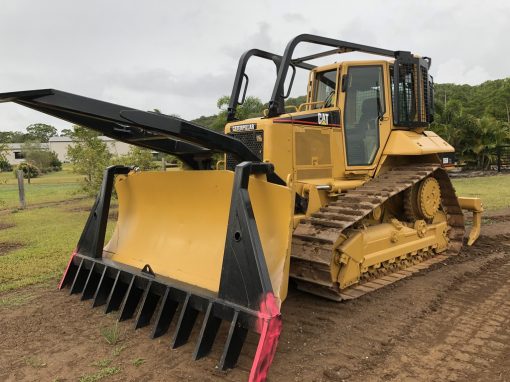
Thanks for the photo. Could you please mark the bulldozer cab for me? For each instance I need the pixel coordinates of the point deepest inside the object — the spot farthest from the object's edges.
(361, 98)
(357, 93)
(355, 101)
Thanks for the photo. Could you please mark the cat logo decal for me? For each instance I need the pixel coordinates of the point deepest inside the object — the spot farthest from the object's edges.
(322, 118)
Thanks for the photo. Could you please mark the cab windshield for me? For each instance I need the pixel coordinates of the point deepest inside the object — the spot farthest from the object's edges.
(325, 87)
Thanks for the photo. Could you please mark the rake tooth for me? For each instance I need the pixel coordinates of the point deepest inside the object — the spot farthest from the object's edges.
(92, 282)
(185, 324)
(165, 314)
(234, 344)
(148, 306)
(79, 279)
(103, 289)
(70, 273)
(131, 300)
(207, 334)
(122, 290)
(116, 294)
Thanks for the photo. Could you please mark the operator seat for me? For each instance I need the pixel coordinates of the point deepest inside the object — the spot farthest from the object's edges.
(362, 139)
(369, 114)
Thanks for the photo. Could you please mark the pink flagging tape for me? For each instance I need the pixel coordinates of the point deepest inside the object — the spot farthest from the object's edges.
(270, 326)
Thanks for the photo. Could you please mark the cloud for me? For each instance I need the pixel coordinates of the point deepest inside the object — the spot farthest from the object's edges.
(456, 71)
(186, 95)
(294, 17)
(162, 81)
(182, 59)
(261, 39)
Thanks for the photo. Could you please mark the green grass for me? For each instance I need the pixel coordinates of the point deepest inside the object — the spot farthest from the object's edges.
(50, 187)
(16, 300)
(102, 363)
(118, 349)
(48, 235)
(105, 370)
(65, 176)
(493, 190)
(98, 375)
(138, 362)
(111, 334)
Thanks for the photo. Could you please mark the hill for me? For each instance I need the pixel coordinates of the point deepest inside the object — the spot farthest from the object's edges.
(490, 99)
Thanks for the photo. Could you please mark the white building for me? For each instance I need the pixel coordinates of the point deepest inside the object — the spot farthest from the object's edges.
(60, 145)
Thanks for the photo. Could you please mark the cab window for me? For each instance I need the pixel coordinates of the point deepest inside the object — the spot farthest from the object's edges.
(364, 106)
(406, 108)
(325, 88)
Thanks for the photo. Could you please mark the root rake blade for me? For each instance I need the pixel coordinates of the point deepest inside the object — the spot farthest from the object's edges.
(155, 301)
(244, 299)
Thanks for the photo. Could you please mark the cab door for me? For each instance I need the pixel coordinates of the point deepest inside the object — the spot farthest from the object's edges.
(364, 95)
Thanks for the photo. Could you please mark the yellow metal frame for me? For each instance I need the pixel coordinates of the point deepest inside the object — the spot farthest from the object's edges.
(475, 206)
(374, 245)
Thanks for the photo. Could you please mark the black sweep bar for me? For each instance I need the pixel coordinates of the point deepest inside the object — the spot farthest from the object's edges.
(276, 104)
(163, 133)
(240, 74)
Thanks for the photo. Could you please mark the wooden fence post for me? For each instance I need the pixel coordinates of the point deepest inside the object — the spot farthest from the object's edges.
(21, 190)
(498, 153)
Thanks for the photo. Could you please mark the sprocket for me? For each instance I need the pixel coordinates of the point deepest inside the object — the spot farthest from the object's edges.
(422, 200)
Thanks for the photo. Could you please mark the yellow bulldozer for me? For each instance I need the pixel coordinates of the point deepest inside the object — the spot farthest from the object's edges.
(342, 195)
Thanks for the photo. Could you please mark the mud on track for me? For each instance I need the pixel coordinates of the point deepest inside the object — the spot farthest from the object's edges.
(450, 322)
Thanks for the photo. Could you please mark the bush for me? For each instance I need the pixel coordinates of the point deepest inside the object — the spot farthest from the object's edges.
(90, 157)
(139, 157)
(55, 163)
(4, 165)
(44, 160)
(28, 169)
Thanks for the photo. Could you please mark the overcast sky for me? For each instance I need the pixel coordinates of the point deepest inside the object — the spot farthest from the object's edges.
(181, 56)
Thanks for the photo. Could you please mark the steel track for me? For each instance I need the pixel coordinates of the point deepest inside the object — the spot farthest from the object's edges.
(314, 239)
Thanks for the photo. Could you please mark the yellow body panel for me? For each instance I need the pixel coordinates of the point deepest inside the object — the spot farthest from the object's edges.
(177, 222)
(403, 142)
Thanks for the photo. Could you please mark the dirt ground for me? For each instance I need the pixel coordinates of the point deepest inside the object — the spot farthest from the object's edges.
(448, 323)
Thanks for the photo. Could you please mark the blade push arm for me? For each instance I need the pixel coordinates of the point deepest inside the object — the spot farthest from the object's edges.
(155, 131)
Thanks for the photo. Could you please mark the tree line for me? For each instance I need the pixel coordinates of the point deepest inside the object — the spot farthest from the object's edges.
(36, 132)
(474, 119)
